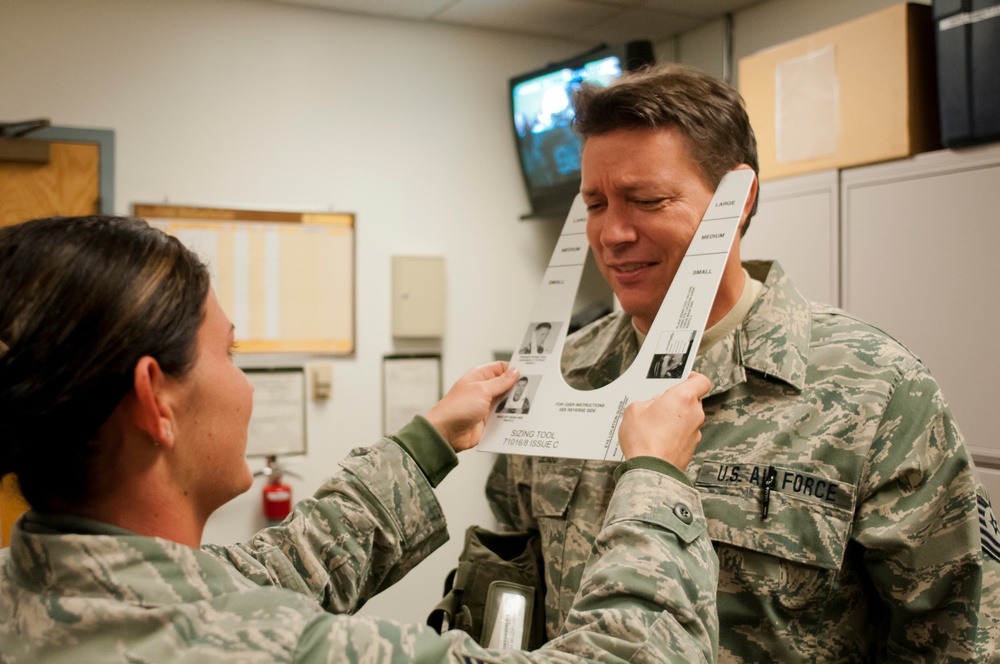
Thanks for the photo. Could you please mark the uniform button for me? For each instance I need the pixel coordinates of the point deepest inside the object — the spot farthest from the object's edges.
(683, 512)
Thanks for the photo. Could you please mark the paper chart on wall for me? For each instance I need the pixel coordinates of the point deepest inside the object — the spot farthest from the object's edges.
(542, 415)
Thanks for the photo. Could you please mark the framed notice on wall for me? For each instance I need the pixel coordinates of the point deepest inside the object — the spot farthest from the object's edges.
(278, 422)
(285, 279)
(411, 385)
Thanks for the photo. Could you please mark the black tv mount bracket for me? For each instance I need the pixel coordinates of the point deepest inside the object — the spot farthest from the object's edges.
(22, 129)
(15, 148)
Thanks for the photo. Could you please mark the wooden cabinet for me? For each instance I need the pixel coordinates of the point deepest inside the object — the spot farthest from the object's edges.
(77, 179)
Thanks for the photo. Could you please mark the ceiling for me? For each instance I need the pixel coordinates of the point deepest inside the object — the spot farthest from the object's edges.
(584, 21)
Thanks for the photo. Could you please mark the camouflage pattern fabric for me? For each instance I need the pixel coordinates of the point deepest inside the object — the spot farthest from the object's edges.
(104, 595)
(840, 495)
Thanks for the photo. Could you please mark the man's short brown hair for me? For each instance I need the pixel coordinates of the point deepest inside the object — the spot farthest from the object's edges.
(709, 114)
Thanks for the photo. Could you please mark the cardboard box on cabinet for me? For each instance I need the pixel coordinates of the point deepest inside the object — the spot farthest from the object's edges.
(857, 93)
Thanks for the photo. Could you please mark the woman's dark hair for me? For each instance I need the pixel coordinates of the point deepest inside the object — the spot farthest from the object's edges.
(82, 299)
(709, 114)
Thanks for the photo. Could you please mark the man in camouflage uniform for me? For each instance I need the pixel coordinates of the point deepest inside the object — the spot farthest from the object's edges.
(74, 590)
(840, 496)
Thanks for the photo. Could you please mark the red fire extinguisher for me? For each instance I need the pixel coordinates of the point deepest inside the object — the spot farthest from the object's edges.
(277, 494)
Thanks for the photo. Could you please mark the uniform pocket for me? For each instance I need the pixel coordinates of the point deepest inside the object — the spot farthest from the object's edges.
(553, 483)
(795, 554)
(568, 500)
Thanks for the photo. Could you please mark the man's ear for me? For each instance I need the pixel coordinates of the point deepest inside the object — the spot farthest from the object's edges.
(751, 199)
(153, 413)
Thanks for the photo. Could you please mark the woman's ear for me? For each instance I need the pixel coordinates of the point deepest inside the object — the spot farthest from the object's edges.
(153, 412)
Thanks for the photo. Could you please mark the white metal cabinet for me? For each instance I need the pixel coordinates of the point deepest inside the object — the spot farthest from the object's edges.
(920, 259)
(797, 223)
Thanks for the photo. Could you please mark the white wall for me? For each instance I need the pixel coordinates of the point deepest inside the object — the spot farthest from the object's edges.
(263, 106)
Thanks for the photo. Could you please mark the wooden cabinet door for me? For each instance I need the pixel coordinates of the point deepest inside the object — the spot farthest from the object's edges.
(68, 185)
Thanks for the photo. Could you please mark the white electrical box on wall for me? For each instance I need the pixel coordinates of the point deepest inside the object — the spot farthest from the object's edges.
(418, 296)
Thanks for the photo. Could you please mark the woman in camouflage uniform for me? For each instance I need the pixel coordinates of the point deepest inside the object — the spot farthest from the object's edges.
(125, 419)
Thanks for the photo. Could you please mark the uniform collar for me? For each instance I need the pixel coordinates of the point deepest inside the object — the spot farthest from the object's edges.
(609, 348)
(62, 524)
(141, 570)
(773, 339)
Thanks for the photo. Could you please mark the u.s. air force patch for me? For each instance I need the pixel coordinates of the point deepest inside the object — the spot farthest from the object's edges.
(988, 527)
(804, 486)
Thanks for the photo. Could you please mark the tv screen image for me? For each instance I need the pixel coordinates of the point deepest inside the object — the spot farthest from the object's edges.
(541, 102)
(543, 117)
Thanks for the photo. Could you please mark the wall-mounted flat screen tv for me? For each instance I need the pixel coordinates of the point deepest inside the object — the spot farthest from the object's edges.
(548, 149)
